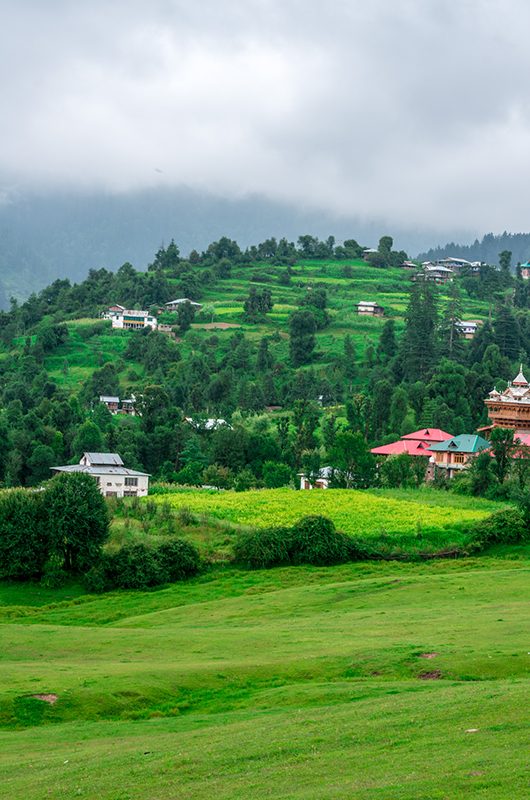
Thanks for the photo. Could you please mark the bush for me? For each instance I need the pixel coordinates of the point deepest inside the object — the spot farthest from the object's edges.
(54, 575)
(135, 566)
(503, 527)
(97, 580)
(24, 540)
(314, 540)
(264, 548)
(178, 559)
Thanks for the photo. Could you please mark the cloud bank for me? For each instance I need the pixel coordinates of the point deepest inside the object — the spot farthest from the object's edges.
(416, 112)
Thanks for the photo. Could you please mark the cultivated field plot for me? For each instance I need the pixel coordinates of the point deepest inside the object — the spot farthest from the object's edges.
(354, 512)
(367, 681)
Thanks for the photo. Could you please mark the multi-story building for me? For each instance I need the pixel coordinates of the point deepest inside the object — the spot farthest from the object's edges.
(111, 476)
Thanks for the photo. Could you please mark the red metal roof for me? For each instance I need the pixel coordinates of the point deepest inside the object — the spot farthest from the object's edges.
(429, 435)
(412, 447)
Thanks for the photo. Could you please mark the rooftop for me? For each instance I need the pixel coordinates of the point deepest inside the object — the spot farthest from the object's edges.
(464, 443)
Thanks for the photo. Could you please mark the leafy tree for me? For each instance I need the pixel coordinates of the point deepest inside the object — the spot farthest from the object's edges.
(23, 534)
(502, 447)
(354, 465)
(78, 520)
(276, 474)
(89, 439)
(302, 328)
(185, 316)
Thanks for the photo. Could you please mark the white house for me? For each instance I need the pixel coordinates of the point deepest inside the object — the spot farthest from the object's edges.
(370, 309)
(467, 328)
(132, 319)
(111, 476)
(320, 482)
(174, 304)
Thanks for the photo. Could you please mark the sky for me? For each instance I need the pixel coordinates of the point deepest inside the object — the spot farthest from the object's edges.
(416, 112)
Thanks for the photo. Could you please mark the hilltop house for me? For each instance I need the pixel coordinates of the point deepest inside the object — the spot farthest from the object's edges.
(173, 305)
(456, 454)
(370, 309)
(111, 476)
(525, 270)
(369, 251)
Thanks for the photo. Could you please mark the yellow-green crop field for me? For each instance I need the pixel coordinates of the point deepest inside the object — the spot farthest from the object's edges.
(357, 513)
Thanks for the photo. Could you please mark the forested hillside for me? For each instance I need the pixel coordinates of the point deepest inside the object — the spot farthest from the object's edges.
(277, 350)
(486, 250)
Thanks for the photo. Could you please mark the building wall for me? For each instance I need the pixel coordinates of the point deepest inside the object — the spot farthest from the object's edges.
(115, 485)
(128, 322)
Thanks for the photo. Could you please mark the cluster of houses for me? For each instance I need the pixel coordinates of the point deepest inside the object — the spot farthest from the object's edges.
(117, 406)
(451, 454)
(136, 319)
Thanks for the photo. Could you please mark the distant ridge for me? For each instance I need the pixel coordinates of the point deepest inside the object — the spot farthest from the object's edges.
(486, 250)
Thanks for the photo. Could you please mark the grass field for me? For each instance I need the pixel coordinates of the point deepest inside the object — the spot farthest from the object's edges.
(368, 681)
(411, 521)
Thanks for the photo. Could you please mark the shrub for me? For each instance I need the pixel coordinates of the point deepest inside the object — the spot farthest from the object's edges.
(54, 575)
(503, 527)
(23, 534)
(135, 566)
(178, 559)
(314, 540)
(97, 580)
(268, 547)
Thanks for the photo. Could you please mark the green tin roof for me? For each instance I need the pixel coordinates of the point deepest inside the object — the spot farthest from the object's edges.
(465, 443)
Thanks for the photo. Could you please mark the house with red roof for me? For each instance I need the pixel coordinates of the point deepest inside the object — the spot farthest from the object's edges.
(414, 444)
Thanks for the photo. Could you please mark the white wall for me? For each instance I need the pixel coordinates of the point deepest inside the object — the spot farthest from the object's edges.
(116, 484)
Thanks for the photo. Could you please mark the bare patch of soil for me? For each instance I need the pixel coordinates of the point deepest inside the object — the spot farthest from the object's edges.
(433, 675)
(46, 698)
(428, 655)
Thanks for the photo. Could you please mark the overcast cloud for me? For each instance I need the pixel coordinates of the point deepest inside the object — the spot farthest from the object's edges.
(412, 111)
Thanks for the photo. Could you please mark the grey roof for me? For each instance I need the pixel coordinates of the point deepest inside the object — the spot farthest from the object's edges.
(107, 398)
(109, 459)
(101, 470)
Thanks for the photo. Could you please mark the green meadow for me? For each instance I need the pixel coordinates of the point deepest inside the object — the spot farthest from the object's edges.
(376, 681)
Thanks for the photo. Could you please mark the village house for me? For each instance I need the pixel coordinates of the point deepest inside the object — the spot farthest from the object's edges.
(458, 265)
(434, 274)
(115, 406)
(110, 474)
(112, 403)
(321, 481)
(133, 319)
(210, 424)
(414, 444)
(467, 328)
(369, 309)
(456, 454)
(173, 305)
(369, 251)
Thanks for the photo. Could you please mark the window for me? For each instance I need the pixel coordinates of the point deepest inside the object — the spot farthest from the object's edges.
(131, 481)
(459, 458)
(129, 494)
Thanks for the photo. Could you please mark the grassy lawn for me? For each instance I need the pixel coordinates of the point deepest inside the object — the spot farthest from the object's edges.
(367, 681)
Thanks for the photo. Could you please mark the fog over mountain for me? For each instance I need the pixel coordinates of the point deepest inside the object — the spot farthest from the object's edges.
(64, 234)
(395, 116)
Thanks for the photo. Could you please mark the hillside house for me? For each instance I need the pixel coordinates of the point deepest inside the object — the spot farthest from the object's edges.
(467, 328)
(370, 309)
(210, 424)
(112, 403)
(458, 265)
(110, 474)
(525, 271)
(369, 251)
(133, 319)
(115, 406)
(173, 305)
(456, 454)
(322, 481)
(434, 274)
